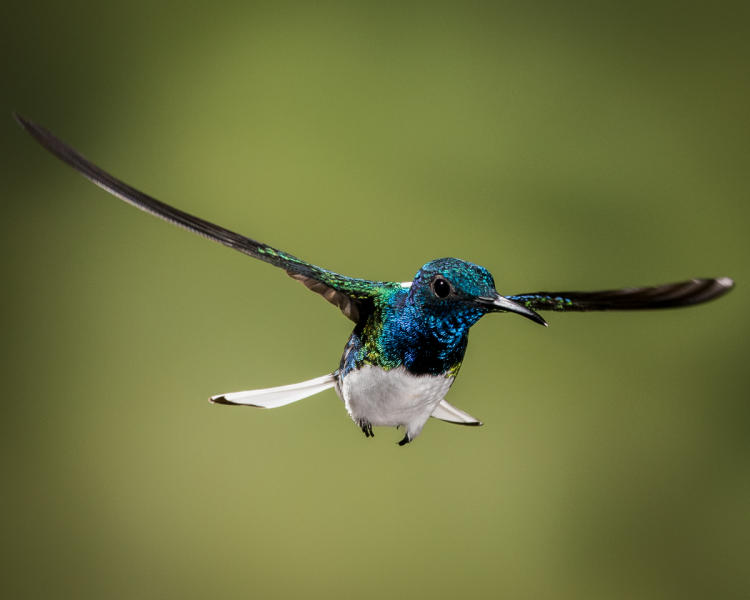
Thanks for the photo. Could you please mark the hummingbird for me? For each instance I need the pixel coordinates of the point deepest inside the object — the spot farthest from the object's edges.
(409, 338)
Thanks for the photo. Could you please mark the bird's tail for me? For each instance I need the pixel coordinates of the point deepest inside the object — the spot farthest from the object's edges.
(277, 396)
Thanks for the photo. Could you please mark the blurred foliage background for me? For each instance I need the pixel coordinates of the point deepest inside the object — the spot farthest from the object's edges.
(563, 146)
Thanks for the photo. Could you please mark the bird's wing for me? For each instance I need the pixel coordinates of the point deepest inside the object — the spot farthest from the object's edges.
(670, 295)
(347, 293)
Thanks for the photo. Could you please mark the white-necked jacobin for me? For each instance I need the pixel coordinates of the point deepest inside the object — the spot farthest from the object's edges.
(409, 338)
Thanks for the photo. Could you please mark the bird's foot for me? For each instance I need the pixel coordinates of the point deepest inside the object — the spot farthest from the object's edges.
(405, 441)
(366, 427)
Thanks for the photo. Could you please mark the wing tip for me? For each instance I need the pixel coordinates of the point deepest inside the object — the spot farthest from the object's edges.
(26, 124)
(718, 286)
(725, 282)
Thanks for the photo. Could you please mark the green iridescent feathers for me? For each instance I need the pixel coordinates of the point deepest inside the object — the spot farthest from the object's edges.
(349, 294)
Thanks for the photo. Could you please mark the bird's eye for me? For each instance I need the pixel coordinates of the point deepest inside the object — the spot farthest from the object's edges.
(441, 287)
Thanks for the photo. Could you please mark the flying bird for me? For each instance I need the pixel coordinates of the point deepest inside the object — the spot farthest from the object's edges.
(409, 338)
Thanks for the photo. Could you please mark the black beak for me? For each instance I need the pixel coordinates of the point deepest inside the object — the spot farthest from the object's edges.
(500, 303)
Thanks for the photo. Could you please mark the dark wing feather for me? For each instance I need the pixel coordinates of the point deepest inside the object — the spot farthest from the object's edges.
(670, 295)
(347, 293)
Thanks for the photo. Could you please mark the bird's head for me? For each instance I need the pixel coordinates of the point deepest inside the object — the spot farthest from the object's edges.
(449, 287)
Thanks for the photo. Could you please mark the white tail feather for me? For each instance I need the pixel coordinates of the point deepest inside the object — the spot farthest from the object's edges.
(277, 396)
(451, 414)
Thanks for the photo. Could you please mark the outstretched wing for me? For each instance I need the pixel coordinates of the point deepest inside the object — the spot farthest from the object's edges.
(347, 293)
(670, 295)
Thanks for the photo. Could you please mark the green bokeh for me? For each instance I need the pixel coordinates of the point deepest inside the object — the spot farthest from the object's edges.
(561, 146)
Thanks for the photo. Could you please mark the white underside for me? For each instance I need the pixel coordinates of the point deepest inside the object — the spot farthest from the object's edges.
(374, 395)
(392, 397)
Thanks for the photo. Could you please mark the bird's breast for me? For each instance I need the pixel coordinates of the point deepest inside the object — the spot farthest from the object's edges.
(391, 397)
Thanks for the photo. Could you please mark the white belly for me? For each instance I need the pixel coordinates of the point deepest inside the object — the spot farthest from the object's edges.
(392, 397)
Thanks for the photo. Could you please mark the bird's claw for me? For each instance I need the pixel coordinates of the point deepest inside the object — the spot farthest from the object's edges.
(366, 427)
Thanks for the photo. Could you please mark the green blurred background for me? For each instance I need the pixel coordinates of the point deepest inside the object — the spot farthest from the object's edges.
(564, 146)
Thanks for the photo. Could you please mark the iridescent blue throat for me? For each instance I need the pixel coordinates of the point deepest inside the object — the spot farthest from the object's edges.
(402, 331)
